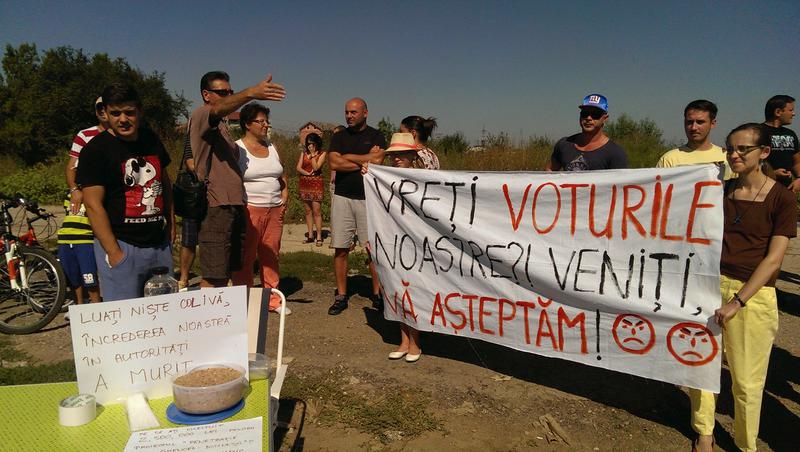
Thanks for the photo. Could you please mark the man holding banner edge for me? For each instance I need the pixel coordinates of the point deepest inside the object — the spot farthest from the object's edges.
(591, 149)
(351, 148)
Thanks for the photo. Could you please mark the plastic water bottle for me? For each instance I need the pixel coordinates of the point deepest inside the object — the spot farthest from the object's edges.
(161, 283)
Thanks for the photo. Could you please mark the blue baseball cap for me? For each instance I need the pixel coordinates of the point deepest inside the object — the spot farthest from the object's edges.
(596, 101)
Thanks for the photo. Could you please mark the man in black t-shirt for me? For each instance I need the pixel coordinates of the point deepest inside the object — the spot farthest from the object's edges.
(127, 194)
(591, 149)
(349, 150)
(784, 157)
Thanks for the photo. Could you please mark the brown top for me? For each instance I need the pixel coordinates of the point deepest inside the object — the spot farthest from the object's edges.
(225, 187)
(745, 243)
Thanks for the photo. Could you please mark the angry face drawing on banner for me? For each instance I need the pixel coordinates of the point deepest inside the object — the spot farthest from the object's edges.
(143, 179)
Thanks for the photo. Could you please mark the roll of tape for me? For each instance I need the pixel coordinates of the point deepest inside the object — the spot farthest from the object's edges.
(77, 410)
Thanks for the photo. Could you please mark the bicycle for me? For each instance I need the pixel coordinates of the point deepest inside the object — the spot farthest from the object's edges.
(32, 282)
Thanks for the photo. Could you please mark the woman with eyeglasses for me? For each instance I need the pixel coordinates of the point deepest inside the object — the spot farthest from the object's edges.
(311, 185)
(760, 218)
(266, 194)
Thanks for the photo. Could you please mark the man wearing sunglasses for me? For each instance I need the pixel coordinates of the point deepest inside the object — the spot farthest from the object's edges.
(591, 149)
(221, 234)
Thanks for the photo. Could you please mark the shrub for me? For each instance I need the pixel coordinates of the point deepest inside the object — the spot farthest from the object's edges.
(454, 143)
(642, 140)
(43, 182)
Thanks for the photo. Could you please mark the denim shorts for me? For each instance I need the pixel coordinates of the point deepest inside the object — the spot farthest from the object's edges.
(126, 279)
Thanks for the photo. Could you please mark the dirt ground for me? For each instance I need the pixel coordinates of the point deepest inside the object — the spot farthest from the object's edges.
(486, 397)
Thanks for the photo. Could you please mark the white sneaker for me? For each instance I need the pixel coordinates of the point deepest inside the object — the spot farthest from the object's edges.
(279, 308)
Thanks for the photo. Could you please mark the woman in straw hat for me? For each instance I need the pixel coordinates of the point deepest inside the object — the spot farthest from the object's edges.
(403, 153)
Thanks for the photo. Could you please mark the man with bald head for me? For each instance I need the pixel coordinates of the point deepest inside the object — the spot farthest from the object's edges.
(349, 150)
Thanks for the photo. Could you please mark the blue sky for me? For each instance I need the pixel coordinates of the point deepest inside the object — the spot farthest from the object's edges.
(519, 67)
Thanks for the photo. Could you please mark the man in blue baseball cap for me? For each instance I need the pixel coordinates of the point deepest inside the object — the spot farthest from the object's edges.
(591, 149)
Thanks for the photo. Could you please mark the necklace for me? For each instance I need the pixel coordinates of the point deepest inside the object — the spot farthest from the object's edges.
(739, 216)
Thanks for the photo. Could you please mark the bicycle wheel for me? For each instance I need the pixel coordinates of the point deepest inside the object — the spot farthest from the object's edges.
(30, 308)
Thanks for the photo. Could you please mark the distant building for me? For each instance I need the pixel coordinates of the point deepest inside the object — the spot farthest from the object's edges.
(307, 128)
(481, 146)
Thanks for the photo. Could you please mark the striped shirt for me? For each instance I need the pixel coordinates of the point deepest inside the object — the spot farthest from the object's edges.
(83, 137)
(76, 228)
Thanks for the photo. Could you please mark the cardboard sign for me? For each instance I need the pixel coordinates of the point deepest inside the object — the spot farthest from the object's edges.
(616, 269)
(244, 436)
(140, 345)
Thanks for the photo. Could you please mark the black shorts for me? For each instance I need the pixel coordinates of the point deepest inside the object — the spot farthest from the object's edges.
(188, 232)
(221, 240)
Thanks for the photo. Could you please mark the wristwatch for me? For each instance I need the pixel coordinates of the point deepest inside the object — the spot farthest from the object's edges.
(74, 189)
(738, 300)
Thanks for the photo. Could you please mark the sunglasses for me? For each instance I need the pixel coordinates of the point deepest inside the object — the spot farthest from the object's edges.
(263, 122)
(221, 92)
(594, 114)
(741, 150)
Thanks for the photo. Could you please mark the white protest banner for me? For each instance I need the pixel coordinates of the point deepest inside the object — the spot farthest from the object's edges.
(617, 269)
(128, 346)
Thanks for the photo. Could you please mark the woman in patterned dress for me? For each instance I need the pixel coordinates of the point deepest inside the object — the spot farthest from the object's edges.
(311, 185)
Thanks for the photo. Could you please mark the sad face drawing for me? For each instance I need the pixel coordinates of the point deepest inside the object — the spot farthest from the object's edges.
(633, 334)
(692, 344)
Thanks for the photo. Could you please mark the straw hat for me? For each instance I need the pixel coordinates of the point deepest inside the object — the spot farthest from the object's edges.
(402, 142)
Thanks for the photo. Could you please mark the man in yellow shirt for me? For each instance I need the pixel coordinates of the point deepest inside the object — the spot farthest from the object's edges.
(699, 117)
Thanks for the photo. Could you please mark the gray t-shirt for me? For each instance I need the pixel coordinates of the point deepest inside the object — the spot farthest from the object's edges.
(608, 156)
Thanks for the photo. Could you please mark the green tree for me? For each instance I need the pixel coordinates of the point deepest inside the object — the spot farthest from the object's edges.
(454, 143)
(45, 99)
(642, 139)
(386, 127)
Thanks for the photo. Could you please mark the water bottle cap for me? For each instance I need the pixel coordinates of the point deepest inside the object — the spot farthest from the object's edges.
(160, 270)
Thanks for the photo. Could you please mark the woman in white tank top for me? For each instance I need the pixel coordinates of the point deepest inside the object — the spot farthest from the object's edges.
(266, 193)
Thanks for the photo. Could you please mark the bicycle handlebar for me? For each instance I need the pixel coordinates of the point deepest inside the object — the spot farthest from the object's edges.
(18, 200)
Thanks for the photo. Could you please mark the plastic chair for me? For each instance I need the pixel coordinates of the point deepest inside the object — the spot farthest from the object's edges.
(257, 315)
